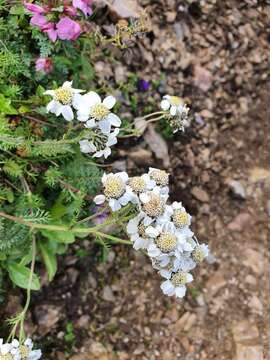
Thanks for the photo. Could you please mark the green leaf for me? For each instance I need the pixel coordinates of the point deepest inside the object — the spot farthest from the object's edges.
(20, 275)
(49, 259)
(17, 10)
(62, 237)
(5, 107)
(87, 69)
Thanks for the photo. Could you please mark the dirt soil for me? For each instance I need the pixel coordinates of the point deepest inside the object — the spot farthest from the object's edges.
(216, 55)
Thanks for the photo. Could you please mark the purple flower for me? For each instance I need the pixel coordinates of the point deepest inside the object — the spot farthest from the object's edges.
(36, 9)
(70, 10)
(44, 64)
(68, 29)
(143, 85)
(49, 28)
(83, 5)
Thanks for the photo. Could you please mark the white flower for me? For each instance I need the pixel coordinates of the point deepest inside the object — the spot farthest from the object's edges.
(178, 112)
(140, 184)
(5, 349)
(115, 191)
(24, 351)
(137, 232)
(95, 112)
(176, 284)
(100, 146)
(184, 262)
(63, 99)
(200, 253)
(152, 204)
(161, 179)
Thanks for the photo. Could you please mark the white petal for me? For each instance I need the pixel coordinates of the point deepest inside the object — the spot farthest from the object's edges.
(152, 232)
(180, 291)
(109, 102)
(90, 123)
(114, 204)
(144, 198)
(107, 152)
(125, 199)
(105, 126)
(189, 278)
(67, 84)
(112, 140)
(99, 154)
(132, 226)
(166, 286)
(114, 120)
(49, 92)
(173, 110)
(123, 176)
(165, 105)
(77, 100)
(165, 273)
(92, 98)
(67, 113)
(99, 199)
(52, 106)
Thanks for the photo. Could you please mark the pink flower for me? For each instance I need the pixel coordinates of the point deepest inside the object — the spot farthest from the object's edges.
(68, 29)
(83, 5)
(39, 21)
(36, 9)
(50, 30)
(70, 10)
(44, 64)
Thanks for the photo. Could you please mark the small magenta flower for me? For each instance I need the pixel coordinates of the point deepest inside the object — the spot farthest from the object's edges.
(68, 29)
(83, 5)
(51, 31)
(44, 64)
(39, 21)
(36, 9)
(143, 85)
(70, 10)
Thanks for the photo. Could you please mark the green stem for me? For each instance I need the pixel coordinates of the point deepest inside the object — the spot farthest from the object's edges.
(154, 114)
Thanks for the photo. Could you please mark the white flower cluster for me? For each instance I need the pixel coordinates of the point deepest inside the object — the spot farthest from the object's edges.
(93, 112)
(177, 112)
(17, 351)
(162, 230)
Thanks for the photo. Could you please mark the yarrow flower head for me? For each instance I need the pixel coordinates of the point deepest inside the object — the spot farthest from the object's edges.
(115, 191)
(64, 98)
(97, 113)
(177, 112)
(19, 351)
(101, 144)
(176, 285)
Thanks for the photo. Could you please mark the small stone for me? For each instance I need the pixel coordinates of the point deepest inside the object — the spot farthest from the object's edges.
(141, 156)
(107, 294)
(250, 279)
(202, 78)
(200, 194)
(256, 305)
(244, 331)
(47, 316)
(248, 352)
(255, 260)
(214, 284)
(83, 322)
(239, 222)
(171, 16)
(237, 189)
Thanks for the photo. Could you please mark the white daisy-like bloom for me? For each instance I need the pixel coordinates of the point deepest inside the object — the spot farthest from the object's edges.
(166, 242)
(24, 351)
(184, 262)
(152, 205)
(176, 285)
(115, 191)
(64, 98)
(5, 351)
(100, 146)
(137, 232)
(97, 113)
(177, 111)
(161, 179)
(140, 184)
(200, 252)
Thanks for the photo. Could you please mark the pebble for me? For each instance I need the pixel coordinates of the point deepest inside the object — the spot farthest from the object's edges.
(107, 294)
(255, 260)
(200, 194)
(214, 284)
(237, 189)
(238, 223)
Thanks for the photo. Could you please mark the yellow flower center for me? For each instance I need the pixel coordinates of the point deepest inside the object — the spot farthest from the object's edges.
(155, 206)
(141, 231)
(24, 352)
(99, 111)
(179, 278)
(137, 184)
(175, 100)
(160, 176)
(6, 357)
(198, 254)
(63, 95)
(180, 218)
(114, 188)
(166, 241)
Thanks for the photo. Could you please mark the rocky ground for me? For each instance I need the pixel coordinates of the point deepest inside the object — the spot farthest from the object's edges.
(214, 54)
